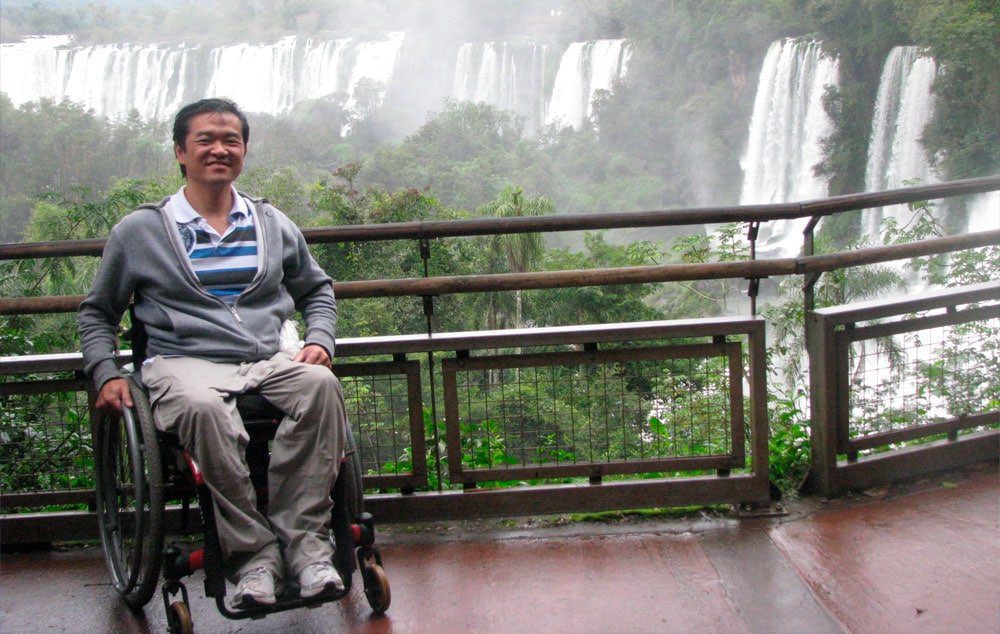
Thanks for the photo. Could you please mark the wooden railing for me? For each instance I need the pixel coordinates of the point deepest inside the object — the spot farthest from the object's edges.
(864, 406)
(733, 469)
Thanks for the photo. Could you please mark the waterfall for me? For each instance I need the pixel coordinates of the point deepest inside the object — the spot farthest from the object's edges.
(375, 60)
(786, 127)
(585, 68)
(903, 106)
(508, 75)
(109, 79)
(254, 75)
(984, 212)
(156, 79)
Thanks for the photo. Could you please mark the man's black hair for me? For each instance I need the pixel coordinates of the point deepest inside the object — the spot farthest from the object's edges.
(184, 115)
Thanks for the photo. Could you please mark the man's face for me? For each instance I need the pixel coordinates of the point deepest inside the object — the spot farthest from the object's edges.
(213, 150)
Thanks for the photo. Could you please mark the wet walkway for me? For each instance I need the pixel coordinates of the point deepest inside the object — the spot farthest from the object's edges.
(924, 557)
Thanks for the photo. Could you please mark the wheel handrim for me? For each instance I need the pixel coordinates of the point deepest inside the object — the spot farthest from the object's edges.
(122, 501)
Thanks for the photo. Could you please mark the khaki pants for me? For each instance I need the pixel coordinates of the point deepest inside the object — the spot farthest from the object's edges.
(195, 398)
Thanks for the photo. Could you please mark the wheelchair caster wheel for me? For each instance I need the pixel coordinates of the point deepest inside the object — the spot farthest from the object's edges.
(376, 582)
(179, 618)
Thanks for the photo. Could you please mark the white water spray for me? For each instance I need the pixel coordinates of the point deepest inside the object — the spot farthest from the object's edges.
(585, 68)
(156, 79)
(786, 128)
(507, 75)
(903, 107)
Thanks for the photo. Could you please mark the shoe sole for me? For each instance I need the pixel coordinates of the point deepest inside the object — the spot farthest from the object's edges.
(328, 588)
(248, 602)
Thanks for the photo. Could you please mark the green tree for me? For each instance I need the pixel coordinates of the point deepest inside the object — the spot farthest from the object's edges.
(964, 38)
(61, 150)
(520, 250)
(596, 304)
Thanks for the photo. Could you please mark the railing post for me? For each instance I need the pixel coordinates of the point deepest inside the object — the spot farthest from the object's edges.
(820, 395)
(809, 284)
(822, 403)
(425, 255)
(754, 285)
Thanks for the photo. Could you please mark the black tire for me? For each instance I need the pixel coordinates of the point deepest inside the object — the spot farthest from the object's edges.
(348, 503)
(129, 496)
(353, 487)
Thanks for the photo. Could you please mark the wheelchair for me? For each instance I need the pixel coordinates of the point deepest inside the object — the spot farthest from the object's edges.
(139, 468)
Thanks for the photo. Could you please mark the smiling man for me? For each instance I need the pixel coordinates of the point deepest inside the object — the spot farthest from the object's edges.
(213, 274)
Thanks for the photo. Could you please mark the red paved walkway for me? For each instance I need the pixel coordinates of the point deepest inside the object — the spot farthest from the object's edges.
(924, 561)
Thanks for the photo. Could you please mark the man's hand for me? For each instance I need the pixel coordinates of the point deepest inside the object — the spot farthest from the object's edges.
(114, 397)
(313, 354)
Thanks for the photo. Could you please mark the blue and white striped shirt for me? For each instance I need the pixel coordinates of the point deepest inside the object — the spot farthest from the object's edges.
(224, 264)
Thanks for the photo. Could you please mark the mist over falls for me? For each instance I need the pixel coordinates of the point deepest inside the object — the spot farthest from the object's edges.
(538, 83)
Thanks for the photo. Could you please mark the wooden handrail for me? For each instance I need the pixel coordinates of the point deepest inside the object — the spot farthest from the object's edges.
(429, 286)
(418, 230)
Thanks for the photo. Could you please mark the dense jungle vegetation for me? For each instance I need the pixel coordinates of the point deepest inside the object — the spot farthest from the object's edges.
(669, 136)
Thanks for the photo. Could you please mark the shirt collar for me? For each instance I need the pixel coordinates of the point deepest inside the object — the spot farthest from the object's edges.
(184, 213)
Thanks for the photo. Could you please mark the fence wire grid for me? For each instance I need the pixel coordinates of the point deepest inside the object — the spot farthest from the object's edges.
(926, 376)
(45, 442)
(586, 412)
(379, 415)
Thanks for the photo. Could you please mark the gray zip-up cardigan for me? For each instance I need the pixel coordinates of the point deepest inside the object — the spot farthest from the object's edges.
(144, 259)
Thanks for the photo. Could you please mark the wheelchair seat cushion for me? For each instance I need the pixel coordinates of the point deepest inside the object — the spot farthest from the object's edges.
(254, 407)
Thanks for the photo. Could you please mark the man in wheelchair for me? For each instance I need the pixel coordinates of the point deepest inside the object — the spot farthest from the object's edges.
(212, 275)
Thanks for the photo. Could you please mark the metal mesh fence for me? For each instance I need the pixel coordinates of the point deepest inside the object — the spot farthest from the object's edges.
(927, 376)
(589, 410)
(46, 446)
(45, 442)
(379, 415)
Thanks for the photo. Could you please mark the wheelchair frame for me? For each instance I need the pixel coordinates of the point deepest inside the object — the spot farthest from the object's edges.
(139, 468)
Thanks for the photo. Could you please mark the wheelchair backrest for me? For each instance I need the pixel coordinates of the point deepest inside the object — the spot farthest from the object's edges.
(136, 334)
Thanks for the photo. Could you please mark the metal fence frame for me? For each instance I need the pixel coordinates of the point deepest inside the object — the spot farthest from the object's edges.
(830, 332)
(752, 488)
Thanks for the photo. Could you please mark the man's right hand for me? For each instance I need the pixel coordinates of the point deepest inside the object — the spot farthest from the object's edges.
(114, 397)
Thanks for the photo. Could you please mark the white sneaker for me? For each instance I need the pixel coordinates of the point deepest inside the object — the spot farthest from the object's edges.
(256, 587)
(319, 577)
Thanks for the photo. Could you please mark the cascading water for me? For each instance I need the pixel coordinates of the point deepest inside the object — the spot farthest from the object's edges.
(508, 75)
(984, 212)
(156, 79)
(374, 60)
(904, 104)
(786, 127)
(585, 68)
(903, 107)
(110, 79)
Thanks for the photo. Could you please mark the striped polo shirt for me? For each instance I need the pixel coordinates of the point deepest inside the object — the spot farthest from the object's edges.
(224, 264)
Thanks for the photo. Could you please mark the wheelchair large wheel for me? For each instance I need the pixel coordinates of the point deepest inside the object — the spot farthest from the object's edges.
(129, 496)
(353, 489)
(348, 502)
